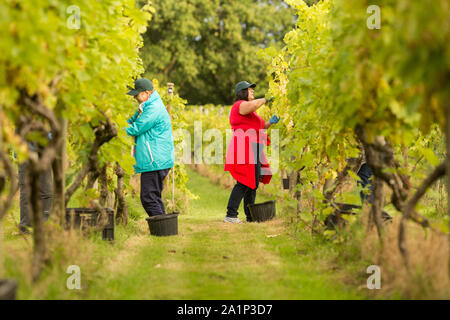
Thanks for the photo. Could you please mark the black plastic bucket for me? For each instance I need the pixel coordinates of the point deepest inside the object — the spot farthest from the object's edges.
(163, 225)
(286, 183)
(262, 211)
(8, 289)
(87, 218)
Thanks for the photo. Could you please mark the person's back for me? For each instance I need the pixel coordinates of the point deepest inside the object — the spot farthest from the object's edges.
(45, 190)
(154, 139)
(154, 148)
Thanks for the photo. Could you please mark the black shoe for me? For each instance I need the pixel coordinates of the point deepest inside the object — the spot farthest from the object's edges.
(24, 230)
(386, 216)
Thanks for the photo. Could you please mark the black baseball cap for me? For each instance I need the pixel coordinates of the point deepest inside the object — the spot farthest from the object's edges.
(139, 86)
(243, 85)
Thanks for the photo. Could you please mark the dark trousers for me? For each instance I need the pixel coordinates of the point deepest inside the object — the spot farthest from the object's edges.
(152, 184)
(45, 190)
(242, 191)
(365, 173)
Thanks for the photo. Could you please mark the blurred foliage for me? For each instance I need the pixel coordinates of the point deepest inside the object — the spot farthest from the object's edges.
(90, 54)
(205, 47)
(335, 74)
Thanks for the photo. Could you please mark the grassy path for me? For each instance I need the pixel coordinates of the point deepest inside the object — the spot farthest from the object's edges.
(213, 260)
(209, 259)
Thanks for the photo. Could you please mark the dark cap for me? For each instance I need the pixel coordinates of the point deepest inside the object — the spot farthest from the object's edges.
(139, 86)
(243, 85)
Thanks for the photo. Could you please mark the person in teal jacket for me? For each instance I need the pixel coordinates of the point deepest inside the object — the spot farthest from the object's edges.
(154, 148)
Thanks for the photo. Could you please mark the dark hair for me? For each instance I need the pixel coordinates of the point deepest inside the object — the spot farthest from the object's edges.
(242, 95)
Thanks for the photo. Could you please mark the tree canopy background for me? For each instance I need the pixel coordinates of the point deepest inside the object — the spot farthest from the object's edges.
(206, 46)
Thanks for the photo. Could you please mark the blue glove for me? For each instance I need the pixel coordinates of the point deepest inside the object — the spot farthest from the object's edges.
(270, 100)
(274, 120)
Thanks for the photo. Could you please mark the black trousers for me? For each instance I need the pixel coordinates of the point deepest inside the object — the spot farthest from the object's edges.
(45, 192)
(152, 184)
(242, 191)
(365, 173)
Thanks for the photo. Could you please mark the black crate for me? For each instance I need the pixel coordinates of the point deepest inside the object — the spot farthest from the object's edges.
(334, 220)
(88, 218)
(347, 208)
(108, 234)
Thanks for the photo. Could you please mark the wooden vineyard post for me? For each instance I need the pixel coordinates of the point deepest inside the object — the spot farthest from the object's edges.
(59, 172)
(170, 90)
(447, 133)
(298, 195)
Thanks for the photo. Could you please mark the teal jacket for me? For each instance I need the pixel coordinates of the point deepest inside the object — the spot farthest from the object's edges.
(152, 129)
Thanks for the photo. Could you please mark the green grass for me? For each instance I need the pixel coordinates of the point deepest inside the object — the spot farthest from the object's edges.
(209, 259)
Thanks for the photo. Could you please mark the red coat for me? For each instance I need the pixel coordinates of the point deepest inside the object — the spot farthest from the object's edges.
(239, 160)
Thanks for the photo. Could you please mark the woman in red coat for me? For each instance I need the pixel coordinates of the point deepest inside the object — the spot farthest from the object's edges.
(245, 158)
